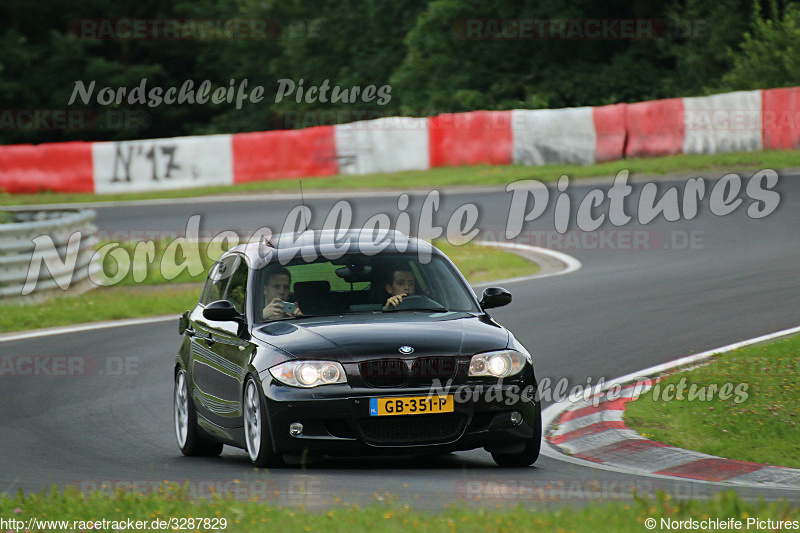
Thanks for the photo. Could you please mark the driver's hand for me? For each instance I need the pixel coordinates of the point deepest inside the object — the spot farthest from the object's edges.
(394, 301)
(273, 310)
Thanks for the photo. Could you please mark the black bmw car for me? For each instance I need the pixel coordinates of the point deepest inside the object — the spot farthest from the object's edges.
(337, 345)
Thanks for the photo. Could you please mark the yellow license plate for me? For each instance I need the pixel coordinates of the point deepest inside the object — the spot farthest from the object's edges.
(411, 405)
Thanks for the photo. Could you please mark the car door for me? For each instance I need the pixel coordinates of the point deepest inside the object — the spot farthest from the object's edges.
(219, 355)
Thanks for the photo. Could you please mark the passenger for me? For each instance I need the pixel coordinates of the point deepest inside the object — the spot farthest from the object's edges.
(400, 285)
(276, 291)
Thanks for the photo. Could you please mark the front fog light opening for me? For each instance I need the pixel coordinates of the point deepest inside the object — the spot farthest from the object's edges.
(516, 418)
(295, 429)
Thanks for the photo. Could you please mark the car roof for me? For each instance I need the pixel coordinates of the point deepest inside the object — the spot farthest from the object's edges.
(329, 243)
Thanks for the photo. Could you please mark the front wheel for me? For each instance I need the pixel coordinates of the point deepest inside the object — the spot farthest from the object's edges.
(190, 439)
(530, 450)
(256, 430)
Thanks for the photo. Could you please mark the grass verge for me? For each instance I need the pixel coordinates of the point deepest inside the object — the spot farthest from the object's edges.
(241, 516)
(104, 303)
(484, 263)
(166, 289)
(449, 176)
(758, 421)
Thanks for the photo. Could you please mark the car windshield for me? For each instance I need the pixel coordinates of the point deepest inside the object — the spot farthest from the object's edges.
(356, 283)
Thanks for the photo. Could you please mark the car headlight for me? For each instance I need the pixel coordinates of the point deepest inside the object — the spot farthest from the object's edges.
(309, 374)
(497, 364)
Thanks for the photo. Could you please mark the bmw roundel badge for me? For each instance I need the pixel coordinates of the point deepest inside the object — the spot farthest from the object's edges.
(406, 350)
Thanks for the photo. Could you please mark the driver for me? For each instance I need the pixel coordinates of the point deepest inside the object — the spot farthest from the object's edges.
(400, 285)
(276, 291)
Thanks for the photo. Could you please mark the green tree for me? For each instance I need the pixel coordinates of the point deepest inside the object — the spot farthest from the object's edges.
(769, 56)
(450, 68)
(701, 37)
(353, 43)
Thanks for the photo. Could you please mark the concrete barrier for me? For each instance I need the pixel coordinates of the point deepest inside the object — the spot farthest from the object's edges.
(391, 144)
(730, 122)
(721, 123)
(548, 136)
(159, 164)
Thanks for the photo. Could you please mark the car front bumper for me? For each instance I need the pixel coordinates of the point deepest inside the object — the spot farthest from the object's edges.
(337, 420)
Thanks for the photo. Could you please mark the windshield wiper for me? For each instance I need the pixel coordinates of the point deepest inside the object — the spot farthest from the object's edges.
(423, 309)
(318, 315)
(297, 316)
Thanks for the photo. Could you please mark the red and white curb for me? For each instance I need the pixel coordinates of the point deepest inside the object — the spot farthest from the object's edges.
(591, 432)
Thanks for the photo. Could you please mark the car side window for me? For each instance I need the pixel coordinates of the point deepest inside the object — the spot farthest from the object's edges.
(218, 279)
(237, 288)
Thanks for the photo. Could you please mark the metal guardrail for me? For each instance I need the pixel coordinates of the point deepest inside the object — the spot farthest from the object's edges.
(56, 274)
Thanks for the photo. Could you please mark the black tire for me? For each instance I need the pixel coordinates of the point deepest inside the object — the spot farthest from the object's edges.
(530, 452)
(258, 440)
(191, 440)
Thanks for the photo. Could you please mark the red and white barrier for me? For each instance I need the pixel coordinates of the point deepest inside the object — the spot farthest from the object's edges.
(63, 167)
(157, 164)
(390, 144)
(474, 138)
(545, 136)
(611, 132)
(271, 155)
(781, 118)
(654, 128)
(731, 122)
(722, 123)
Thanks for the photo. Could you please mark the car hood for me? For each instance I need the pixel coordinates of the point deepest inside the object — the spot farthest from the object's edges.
(358, 337)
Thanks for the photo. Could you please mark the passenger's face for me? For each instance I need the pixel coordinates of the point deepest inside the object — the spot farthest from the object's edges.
(403, 283)
(277, 287)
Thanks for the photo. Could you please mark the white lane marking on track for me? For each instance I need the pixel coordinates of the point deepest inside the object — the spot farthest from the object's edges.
(86, 327)
(571, 264)
(551, 414)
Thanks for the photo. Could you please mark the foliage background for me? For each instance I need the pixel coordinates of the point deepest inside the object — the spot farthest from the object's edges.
(412, 45)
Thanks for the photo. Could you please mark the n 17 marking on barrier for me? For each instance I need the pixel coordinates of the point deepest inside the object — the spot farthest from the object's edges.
(120, 159)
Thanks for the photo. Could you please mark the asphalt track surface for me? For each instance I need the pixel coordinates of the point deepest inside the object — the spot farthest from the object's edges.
(625, 310)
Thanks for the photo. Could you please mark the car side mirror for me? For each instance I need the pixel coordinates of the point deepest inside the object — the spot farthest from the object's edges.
(495, 297)
(222, 311)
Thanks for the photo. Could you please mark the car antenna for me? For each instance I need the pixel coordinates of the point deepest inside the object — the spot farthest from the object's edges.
(263, 244)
